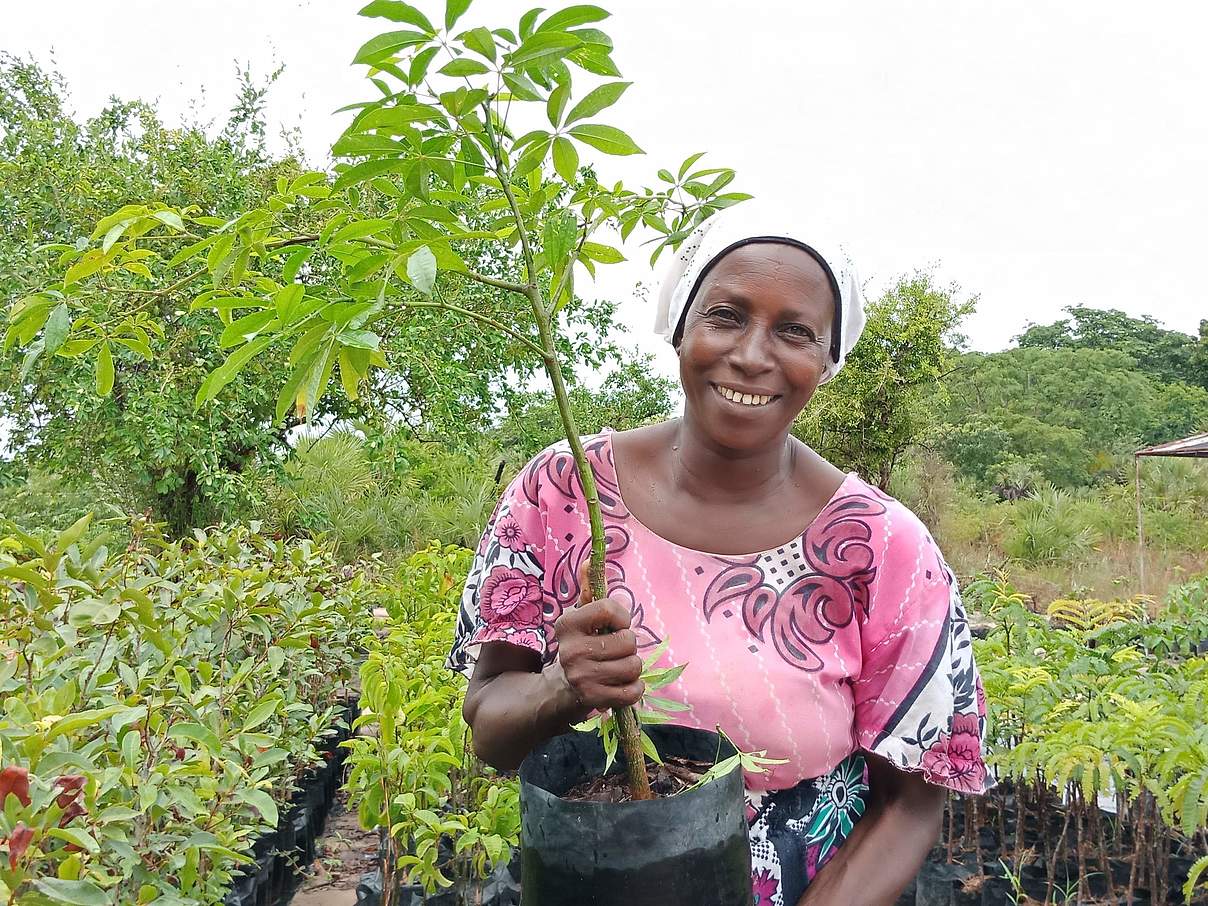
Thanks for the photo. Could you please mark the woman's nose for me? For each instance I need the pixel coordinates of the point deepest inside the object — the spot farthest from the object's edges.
(750, 354)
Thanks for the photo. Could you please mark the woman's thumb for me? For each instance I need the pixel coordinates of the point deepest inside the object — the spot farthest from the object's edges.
(585, 595)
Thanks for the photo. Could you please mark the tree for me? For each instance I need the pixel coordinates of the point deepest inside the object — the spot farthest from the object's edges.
(886, 397)
(149, 344)
(444, 167)
(1168, 355)
(1112, 406)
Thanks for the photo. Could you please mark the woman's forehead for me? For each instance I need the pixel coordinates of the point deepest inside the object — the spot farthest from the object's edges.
(755, 268)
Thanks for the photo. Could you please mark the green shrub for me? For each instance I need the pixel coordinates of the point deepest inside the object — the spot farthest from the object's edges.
(1047, 528)
(161, 700)
(412, 769)
(384, 493)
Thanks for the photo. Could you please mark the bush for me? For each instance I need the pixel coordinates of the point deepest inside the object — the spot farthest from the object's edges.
(384, 493)
(450, 819)
(1047, 528)
(1102, 700)
(159, 702)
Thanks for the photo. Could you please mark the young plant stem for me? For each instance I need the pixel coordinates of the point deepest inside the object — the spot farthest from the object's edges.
(628, 728)
(627, 720)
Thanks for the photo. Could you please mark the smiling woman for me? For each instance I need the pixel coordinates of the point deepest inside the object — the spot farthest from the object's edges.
(819, 621)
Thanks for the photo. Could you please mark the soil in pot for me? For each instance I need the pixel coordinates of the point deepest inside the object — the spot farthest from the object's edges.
(689, 849)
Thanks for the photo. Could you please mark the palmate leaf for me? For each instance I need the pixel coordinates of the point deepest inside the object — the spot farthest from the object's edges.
(379, 48)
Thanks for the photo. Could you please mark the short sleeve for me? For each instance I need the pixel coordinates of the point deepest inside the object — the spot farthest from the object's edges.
(503, 597)
(918, 697)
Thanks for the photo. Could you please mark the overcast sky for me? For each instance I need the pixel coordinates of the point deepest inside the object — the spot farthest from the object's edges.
(1039, 155)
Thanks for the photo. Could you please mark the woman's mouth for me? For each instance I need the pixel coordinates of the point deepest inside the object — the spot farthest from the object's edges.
(751, 400)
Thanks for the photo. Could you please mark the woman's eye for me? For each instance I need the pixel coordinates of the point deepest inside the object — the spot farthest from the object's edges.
(724, 314)
(799, 330)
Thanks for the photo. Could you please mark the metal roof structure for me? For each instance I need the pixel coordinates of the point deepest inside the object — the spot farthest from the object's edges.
(1196, 445)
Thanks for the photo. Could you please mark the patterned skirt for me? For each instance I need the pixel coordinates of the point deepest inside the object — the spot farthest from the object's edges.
(794, 832)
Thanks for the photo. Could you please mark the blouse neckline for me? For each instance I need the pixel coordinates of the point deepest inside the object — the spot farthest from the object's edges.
(631, 515)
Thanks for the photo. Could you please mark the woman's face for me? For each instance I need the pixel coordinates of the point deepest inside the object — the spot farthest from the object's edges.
(756, 342)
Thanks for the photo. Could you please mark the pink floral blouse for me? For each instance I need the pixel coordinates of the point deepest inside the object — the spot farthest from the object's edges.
(850, 637)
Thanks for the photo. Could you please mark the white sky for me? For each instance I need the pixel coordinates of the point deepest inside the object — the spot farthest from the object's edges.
(1039, 155)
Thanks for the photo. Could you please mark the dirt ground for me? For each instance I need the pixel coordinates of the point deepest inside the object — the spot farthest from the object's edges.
(345, 852)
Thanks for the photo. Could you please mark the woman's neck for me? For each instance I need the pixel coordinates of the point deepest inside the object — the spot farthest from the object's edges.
(711, 473)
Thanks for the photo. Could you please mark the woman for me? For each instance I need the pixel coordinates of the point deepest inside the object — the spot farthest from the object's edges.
(815, 614)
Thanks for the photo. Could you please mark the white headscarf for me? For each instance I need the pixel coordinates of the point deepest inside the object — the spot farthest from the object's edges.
(750, 221)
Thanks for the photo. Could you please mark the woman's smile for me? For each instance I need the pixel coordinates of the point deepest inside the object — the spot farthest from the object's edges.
(746, 398)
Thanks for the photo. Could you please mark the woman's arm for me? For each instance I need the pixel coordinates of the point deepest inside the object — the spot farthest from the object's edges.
(888, 844)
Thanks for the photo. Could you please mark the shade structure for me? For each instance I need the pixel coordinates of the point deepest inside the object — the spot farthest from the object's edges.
(1195, 445)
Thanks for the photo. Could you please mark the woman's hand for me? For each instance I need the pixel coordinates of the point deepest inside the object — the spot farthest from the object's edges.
(598, 653)
(512, 704)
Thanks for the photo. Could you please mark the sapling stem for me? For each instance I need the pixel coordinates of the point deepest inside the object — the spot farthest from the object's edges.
(628, 728)
(629, 731)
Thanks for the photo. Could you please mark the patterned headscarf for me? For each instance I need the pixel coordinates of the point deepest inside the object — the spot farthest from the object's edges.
(755, 222)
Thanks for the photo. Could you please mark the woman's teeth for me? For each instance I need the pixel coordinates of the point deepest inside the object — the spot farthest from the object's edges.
(746, 399)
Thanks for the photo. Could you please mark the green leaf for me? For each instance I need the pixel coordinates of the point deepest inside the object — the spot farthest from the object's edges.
(556, 105)
(453, 11)
(419, 65)
(170, 218)
(261, 802)
(227, 371)
(529, 20)
(572, 16)
(464, 67)
(294, 263)
(73, 532)
(115, 233)
(88, 264)
(543, 48)
(649, 748)
(660, 678)
(608, 139)
(532, 158)
(261, 713)
(597, 100)
(566, 159)
(560, 230)
(58, 325)
(359, 229)
(605, 254)
(81, 720)
(377, 49)
(76, 893)
(521, 86)
(194, 732)
(397, 11)
(76, 836)
(192, 251)
(104, 370)
(358, 145)
(287, 300)
(421, 270)
(369, 169)
(247, 328)
(481, 41)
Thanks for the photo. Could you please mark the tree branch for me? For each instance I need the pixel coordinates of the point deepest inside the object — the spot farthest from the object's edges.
(496, 282)
(519, 338)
